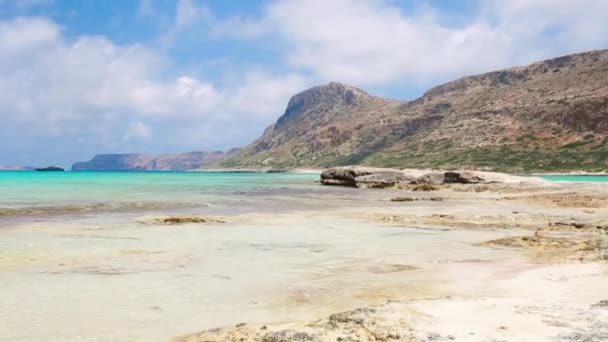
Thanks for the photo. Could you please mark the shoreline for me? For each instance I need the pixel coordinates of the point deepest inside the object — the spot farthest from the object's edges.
(320, 170)
(559, 229)
(392, 264)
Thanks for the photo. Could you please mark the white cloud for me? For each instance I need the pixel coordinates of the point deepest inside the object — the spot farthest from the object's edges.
(374, 42)
(109, 97)
(264, 95)
(188, 13)
(138, 131)
(117, 97)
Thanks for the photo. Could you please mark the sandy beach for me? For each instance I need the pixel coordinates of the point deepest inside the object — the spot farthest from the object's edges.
(543, 280)
(465, 262)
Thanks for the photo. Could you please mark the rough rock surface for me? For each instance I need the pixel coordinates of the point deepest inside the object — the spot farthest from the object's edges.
(365, 177)
(580, 249)
(365, 324)
(550, 115)
(438, 319)
(173, 220)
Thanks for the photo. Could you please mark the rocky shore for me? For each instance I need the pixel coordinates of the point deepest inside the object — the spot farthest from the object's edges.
(366, 177)
(560, 228)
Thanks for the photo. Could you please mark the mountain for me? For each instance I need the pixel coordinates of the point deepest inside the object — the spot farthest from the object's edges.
(551, 116)
(145, 162)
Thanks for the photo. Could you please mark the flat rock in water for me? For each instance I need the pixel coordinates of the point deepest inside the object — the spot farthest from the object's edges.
(381, 180)
(347, 176)
(173, 220)
(368, 177)
(431, 178)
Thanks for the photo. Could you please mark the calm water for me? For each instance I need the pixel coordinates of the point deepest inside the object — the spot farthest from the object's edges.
(27, 188)
(77, 263)
(564, 178)
(28, 195)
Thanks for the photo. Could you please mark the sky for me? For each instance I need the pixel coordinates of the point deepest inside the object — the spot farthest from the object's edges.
(78, 78)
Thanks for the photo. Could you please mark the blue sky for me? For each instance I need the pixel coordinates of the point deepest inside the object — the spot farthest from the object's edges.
(84, 77)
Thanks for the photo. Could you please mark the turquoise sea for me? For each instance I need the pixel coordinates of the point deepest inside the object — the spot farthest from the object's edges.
(34, 192)
(80, 259)
(575, 178)
(27, 194)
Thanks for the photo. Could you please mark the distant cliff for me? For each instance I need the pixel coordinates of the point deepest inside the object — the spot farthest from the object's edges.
(146, 162)
(548, 116)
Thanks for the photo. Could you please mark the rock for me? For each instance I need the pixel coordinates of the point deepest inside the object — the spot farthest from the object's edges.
(463, 177)
(601, 304)
(363, 324)
(589, 249)
(425, 187)
(411, 199)
(288, 335)
(368, 177)
(172, 220)
(381, 180)
(332, 123)
(391, 268)
(402, 199)
(431, 178)
(568, 224)
(452, 177)
(344, 175)
(363, 177)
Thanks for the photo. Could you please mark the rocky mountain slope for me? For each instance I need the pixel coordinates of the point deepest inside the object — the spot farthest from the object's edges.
(550, 115)
(145, 162)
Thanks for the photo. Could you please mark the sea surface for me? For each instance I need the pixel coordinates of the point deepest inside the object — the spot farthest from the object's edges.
(576, 178)
(25, 189)
(79, 260)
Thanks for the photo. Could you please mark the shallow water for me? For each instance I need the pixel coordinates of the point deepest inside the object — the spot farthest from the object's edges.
(39, 189)
(99, 274)
(115, 280)
(576, 178)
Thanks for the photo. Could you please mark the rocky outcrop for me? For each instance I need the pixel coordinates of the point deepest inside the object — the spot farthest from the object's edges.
(365, 177)
(364, 324)
(176, 220)
(550, 115)
(145, 162)
(557, 248)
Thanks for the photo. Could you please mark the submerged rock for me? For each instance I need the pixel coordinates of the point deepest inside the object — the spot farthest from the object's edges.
(601, 304)
(412, 199)
(425, 187)
(580, 249)
(364, 324)
(431, 178)
(381, 180)
(391, 268)
(172, 220)
(402, 199)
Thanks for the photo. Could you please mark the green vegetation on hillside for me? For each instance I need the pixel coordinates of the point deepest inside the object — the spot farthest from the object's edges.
(580, 155)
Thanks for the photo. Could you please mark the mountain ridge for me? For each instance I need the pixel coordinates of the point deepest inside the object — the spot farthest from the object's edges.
(147, 162)
(550, 115)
